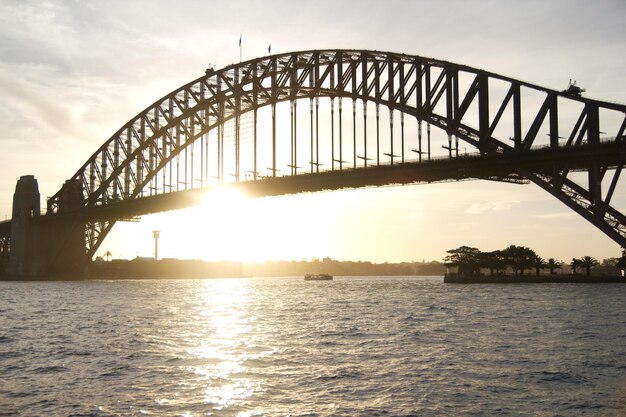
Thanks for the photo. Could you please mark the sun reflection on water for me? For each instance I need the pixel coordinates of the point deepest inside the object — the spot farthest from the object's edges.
(220, 346)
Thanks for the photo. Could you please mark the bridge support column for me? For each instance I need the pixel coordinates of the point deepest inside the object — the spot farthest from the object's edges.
(43, 246)
(60, 249)
(26, 206)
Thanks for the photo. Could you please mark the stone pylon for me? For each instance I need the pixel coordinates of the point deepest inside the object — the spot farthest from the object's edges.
(26, 207)
(49, 245)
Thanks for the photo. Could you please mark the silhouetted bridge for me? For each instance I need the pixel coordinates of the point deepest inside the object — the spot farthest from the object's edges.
(326, 120)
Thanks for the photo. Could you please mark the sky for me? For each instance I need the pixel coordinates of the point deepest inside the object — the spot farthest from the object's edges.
(73, 72)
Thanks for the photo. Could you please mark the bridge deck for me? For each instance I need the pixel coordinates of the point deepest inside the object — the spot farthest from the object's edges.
(499, 167)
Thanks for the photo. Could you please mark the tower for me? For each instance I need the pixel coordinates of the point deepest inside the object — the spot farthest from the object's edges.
(155, 233)
(26, 206)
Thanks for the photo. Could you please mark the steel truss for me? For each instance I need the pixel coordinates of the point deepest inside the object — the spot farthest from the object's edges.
(149, 154)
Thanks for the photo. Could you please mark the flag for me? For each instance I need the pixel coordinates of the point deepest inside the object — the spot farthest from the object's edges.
(239, 40)
(269, 49)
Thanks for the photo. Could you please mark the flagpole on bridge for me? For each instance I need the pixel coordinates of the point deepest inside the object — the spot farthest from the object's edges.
(240, 49)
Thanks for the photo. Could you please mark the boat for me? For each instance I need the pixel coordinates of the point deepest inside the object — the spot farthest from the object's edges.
(318, 277)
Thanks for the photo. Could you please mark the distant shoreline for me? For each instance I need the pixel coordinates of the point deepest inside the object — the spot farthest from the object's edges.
(189, 277)
(149, 268)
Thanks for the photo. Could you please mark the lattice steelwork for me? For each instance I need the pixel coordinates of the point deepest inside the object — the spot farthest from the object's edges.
(349, 109)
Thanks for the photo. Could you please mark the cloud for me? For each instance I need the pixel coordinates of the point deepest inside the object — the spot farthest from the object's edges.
(480, 208)
(31, 99)
(465, 226)
(556, 215)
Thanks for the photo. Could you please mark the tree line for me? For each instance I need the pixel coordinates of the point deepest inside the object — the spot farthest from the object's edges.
(518, 259)
(342, 268)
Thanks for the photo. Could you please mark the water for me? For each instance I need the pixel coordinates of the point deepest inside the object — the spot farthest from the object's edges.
(285, 347)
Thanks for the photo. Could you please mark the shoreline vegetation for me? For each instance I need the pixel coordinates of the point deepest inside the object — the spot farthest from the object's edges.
(462, 265)
(519, 264)
(180, 268)
(170, 268)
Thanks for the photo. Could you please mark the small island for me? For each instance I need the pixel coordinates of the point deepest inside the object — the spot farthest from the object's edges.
(469, 265)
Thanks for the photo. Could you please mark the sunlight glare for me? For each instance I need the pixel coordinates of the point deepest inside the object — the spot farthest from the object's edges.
(226, 331)
(230, 225)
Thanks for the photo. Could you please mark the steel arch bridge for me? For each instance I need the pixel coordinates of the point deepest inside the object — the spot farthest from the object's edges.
(223, 128)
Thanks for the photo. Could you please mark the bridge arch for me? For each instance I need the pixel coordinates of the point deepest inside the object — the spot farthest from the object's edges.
(139, 158)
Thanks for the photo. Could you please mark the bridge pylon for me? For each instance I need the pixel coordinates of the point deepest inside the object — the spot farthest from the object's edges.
(43, 249)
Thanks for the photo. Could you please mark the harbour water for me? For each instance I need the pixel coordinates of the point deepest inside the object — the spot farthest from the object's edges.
(371, 346)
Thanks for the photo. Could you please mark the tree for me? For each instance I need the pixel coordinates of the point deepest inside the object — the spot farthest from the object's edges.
(495, 261)
(608, 266)
(539, 263)
(574, 264)
(108, 255)
(588, 262)
(552, 265)
(621, 263)
(465, 258)
(519, 258)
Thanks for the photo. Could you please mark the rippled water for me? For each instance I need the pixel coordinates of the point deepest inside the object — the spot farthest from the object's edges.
(283, 346)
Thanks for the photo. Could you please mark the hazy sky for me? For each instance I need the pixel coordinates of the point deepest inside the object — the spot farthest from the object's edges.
(73, 72)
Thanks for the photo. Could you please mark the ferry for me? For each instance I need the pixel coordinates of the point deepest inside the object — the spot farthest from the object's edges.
(318, 277)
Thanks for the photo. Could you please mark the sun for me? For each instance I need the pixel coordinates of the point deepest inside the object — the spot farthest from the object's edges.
(228, 225)
(233, 226)
(224, 201)
(221, 219)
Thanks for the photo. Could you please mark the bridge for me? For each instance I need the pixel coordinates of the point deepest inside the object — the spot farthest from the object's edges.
(325, 120)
